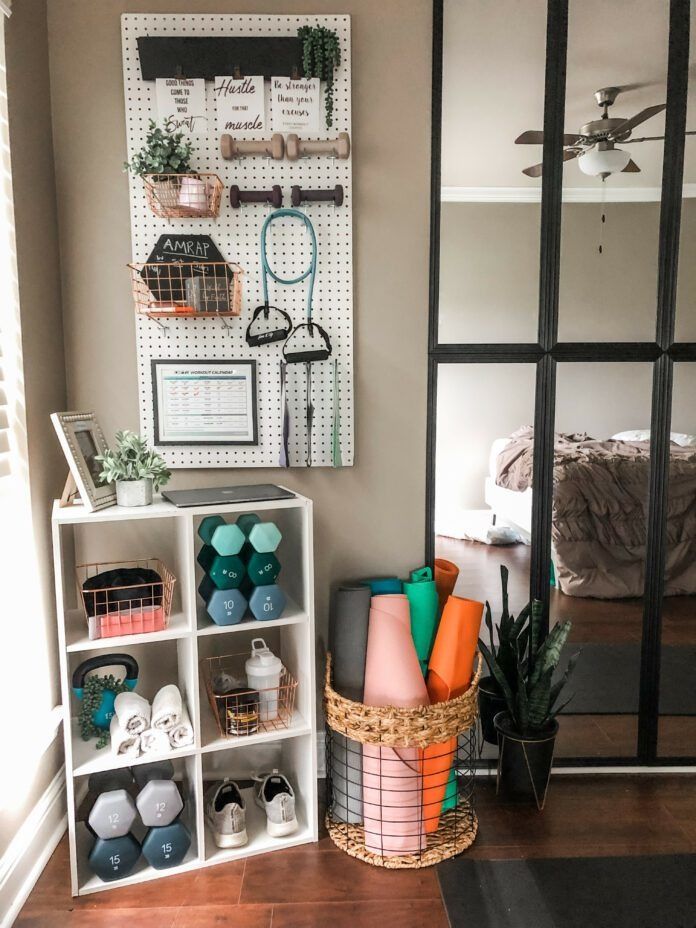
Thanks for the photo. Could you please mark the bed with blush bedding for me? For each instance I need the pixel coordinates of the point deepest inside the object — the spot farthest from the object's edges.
(600, 509)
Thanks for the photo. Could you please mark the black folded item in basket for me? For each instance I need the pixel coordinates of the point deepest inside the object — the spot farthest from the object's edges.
(208, 294)
(122, 588)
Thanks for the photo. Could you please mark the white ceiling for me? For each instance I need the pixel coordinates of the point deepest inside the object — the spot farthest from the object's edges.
(493, 86)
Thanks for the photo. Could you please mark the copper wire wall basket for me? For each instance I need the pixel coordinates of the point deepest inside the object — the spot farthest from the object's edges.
(131, 609)
(240, 711)
(400, 782)
(187, 289)
(184, 196)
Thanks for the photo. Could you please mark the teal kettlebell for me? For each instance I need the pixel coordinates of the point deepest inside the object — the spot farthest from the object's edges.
(103, 715)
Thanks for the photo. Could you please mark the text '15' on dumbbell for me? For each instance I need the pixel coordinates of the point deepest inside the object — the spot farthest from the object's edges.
(265, 602)
(159, 800)
(225, 607)
(300, 196)
(227, 539)
(339, 147)
(166, 845)
(226, 571)
(231, 148)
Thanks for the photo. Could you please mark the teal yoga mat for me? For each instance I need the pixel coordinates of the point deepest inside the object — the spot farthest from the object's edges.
(421, 593)
(382, 585)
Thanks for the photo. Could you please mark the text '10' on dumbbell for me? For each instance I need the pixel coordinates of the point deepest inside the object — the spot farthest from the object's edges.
(332, 148)
(225, 607)
(265, 602)
(231, 148)
(111, 815)
(159, 803)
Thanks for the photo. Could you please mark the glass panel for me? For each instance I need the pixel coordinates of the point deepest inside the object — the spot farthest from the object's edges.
(685, 330)
(617, 65)
(601, 480)
(493, 89)
(677, 724)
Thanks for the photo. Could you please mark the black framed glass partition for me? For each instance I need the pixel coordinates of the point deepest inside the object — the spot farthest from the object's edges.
(563, 175)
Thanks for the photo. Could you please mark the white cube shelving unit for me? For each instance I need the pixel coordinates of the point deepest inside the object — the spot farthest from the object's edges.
(175, 655)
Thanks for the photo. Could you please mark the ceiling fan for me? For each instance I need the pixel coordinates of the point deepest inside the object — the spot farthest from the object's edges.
(595, 144)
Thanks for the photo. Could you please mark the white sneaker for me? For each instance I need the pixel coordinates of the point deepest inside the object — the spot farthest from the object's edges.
(276, 797)
(225, 813)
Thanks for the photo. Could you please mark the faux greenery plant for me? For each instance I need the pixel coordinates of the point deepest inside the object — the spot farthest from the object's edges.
(164, 152)
(523, 666)
(321, 55)
(133, 460)
(91, 700)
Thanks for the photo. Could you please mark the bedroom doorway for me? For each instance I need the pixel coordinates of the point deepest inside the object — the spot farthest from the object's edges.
(562, 347)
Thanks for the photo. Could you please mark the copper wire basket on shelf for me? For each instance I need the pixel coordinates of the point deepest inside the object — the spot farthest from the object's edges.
(187, 289)
(112, 608)
(400, 782)
(184, 196)
(240, 711)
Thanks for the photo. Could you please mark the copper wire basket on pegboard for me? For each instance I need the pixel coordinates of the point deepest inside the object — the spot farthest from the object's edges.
(193, 289)
(239, 710)
(184, 196)
(113, 609)
(400, 782)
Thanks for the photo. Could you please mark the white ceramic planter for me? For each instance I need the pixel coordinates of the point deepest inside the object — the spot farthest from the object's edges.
(134, 492)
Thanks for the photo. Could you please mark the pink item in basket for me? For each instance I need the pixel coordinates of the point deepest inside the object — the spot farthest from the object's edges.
(128, 622)
(392, 777)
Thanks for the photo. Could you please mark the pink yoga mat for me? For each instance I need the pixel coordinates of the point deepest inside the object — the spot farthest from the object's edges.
(392, 777)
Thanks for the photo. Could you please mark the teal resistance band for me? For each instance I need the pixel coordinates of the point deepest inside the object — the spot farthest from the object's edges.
(267, 271)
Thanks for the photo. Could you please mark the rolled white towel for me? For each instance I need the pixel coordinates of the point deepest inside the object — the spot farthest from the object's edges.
(182, 734)
(133, 712)
(154, 741)
(166, 708)
(123, 742)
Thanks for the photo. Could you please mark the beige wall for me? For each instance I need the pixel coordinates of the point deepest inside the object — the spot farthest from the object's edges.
(42, 347)
(369, 518)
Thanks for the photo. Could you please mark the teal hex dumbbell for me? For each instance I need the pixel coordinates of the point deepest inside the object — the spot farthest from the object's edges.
(166, 845)
(225, 607)
(247, 521)
(114, 858)
(262, 569)
(226, 539)
(226, 571)
(267, 602)
(265, 537)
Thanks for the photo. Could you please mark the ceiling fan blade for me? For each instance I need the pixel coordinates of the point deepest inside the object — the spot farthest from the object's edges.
(636, 120)
(631, 168)
(536, 137)
(536, 169)
(655, 138)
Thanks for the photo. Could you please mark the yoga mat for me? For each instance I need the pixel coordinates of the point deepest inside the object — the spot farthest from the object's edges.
(446, 574)
(423, 603)
(392, 779)
(348, 623)
(382, 586)
(450, 670)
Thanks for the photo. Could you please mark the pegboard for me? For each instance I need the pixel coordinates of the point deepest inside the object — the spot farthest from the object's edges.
(236, 233)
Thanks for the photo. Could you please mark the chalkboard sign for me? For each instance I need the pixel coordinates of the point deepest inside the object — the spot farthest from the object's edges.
(209, 56)
(186, 252)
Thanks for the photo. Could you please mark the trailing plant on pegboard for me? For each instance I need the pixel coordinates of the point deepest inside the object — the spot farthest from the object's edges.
(92, 692)
(321, 55)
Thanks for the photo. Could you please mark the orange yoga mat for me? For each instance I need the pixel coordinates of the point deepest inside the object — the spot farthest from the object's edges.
(446, 574)
(450, 670)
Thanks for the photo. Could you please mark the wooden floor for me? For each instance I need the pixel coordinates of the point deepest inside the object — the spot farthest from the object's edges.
(320, 886)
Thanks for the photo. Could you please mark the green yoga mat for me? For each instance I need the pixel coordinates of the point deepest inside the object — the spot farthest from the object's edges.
(423, 603)
(450, 800)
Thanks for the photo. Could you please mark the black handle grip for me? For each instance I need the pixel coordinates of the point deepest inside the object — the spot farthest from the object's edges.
(104, 660)
(254, 339)
(308, 354)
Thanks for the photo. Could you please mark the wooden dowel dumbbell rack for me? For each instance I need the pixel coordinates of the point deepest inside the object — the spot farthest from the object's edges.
(339, 147)
(231, 148)
(274, 196)
(300, 196)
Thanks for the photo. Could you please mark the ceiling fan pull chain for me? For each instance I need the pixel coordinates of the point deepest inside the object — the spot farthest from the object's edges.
(603, 216)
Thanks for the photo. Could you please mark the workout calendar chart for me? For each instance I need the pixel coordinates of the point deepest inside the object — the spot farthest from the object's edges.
(236, 233)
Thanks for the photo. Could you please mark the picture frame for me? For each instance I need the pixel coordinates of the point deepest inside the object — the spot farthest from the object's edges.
(204, 402)
(82, 439)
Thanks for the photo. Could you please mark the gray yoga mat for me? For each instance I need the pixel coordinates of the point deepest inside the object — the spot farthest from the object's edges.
(348, 625)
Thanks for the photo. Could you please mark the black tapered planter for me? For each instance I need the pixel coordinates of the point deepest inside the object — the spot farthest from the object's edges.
(491, 702)
(524, 762)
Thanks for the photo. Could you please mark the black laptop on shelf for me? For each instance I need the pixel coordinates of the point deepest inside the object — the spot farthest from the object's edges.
(218, 496)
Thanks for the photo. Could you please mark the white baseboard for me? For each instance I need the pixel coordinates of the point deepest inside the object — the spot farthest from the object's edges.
(24, 860)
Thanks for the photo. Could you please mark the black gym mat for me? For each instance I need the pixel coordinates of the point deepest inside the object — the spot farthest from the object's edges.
(590, 892)
(606, 680)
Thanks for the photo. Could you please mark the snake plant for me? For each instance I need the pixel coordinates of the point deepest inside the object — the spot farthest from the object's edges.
(523, 665)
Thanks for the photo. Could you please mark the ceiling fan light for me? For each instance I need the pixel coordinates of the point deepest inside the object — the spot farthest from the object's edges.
(604, 161)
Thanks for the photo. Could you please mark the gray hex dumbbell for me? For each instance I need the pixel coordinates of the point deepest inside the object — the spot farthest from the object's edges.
(225, 607)
(159, 800)
(267, 602)
(113, 811)
(167, 846)
(114, 858)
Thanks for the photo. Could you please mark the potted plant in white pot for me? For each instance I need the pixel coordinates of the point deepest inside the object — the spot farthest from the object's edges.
(165, 156)
(134, 468)
(527, 727)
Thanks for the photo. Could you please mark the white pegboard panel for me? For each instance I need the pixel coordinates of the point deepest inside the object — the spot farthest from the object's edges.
(236, 233)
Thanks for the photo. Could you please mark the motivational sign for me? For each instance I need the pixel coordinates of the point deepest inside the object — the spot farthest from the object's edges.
(168, 283)
(240, 105)
(181, 104)
(295, 104)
